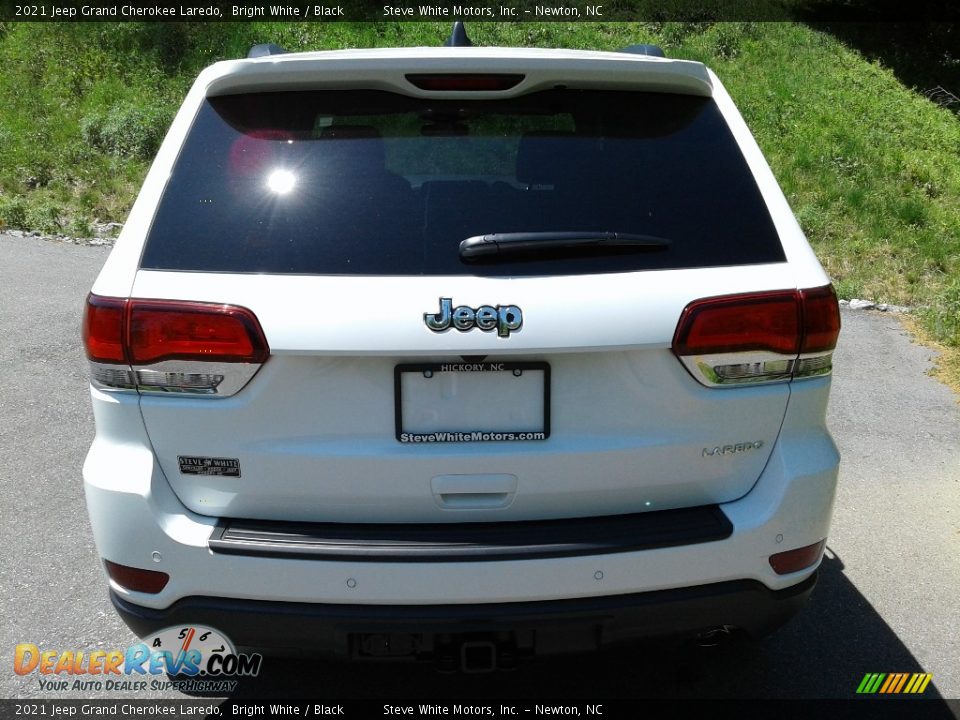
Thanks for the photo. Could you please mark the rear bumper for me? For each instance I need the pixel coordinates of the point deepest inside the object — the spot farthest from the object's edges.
(590, 595)
(422, 631)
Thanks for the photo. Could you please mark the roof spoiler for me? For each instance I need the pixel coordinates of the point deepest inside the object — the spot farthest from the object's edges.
(458, 37)
(653, 50)
(266, 49)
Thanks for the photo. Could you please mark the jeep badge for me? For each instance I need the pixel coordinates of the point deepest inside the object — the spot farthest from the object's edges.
(502, 318)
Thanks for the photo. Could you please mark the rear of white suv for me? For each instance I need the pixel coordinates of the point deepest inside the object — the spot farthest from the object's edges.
(402, 349)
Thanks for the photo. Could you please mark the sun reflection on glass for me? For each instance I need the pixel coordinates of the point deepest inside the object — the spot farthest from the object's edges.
(281, 181)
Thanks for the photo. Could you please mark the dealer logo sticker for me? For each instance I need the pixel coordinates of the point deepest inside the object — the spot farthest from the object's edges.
(218, 467)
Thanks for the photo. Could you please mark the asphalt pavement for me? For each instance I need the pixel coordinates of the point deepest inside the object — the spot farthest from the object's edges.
(887, 600)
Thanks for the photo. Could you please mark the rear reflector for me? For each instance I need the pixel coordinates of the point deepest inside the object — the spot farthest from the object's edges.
(470, 82)
(759, 337)
(172, 346)
(799, 559)
(131, 578)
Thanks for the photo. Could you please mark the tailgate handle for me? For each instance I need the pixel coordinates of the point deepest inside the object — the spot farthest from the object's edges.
(473, 492)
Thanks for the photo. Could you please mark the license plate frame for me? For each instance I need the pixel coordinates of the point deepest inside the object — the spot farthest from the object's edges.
(470, 434)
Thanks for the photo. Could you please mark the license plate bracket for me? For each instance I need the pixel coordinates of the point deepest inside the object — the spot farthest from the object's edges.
(472, 401)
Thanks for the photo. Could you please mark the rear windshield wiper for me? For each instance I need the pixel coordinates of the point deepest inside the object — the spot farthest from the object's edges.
(524, 243)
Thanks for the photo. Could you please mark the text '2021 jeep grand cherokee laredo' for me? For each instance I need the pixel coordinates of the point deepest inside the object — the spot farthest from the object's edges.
(411, 346)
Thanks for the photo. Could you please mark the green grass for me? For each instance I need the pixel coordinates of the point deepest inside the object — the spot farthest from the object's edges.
(869, 165)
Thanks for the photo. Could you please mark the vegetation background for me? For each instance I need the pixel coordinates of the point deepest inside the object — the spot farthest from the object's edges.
(860, 122)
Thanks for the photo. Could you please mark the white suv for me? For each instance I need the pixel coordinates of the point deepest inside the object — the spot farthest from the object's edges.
(409, 352)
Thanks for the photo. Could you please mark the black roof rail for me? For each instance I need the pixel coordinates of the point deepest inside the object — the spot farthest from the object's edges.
(653, 50)
(265, 49)
(458, 37)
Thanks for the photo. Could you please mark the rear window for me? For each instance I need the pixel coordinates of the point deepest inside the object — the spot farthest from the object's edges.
(375, 183)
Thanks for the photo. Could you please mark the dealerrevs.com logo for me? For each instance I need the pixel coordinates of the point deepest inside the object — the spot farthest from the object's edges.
(187, 658)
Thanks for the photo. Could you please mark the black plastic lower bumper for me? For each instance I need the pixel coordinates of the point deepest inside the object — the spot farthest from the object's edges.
(472, 542)
(415, 631)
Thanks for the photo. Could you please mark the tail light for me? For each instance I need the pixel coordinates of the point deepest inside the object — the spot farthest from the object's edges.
(163, 346)
(757, 338)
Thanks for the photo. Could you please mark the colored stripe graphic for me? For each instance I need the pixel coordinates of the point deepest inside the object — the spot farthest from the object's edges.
(873, 682)
(891, 680)
(900, 682)
(894, 683)
(922, 680)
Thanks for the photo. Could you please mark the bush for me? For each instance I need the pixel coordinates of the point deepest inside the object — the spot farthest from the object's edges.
(944, 316)
(79, 226)
(13, 213)
(125, 131)
(44, 217)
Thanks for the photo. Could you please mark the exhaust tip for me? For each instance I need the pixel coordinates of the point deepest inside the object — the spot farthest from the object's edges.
(715, 637)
